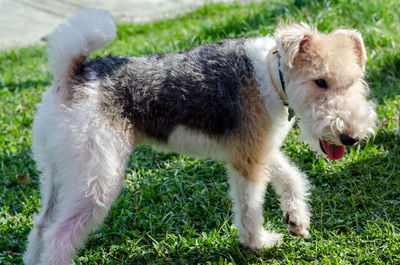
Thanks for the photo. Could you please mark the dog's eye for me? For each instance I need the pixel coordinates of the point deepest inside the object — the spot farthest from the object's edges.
(321, 83)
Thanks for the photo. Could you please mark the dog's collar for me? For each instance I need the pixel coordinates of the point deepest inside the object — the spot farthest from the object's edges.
(276, 72)
(280, 87)
(281, 78)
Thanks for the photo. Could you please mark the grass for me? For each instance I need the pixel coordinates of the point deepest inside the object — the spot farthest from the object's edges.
(176, 209)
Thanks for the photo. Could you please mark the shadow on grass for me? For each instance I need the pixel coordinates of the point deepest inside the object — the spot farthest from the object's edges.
(344, 202)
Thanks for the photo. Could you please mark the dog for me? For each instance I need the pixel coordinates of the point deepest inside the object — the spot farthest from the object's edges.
(228, 100)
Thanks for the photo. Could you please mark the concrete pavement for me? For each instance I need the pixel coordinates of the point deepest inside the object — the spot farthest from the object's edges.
(24, 22)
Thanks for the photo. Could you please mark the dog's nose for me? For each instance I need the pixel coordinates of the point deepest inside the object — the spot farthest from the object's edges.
(347, 140)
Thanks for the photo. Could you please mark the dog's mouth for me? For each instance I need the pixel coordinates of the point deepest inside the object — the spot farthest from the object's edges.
(334, 152)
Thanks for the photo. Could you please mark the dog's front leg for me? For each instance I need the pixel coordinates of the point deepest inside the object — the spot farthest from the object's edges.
(248, 200)
(292, 187)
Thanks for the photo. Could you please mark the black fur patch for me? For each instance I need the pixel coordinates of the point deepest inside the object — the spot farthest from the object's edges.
(199, 88)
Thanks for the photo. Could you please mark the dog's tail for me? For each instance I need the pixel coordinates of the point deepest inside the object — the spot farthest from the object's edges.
(71, 43)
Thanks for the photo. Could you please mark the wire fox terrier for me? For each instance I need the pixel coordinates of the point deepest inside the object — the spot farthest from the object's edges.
(227, 100)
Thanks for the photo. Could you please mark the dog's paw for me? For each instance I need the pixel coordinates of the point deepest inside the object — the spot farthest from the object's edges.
(263, 239)
(297, 226)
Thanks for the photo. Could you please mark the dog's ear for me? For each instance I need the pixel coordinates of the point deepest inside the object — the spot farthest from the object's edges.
(359, 47)
(293, 39)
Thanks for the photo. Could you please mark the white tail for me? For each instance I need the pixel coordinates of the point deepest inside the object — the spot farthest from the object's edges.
(71, 43)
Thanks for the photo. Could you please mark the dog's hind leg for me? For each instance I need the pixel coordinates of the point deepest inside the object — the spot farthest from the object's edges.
(90, 164)
(292, 187)
(248, 200)
(35, 241)
(44, 162)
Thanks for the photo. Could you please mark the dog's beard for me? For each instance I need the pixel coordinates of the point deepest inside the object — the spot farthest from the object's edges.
(320, 137)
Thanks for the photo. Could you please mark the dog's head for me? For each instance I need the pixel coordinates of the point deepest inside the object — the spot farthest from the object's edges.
(325, 86)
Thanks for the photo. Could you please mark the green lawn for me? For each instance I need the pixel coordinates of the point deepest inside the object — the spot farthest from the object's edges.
(176, 209)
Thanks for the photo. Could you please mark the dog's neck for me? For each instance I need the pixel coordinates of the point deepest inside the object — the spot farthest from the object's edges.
(277, 76)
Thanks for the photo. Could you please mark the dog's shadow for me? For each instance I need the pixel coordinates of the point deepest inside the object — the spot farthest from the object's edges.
(180, 208)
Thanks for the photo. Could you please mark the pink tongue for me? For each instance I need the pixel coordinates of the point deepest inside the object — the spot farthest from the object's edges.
(333, 151)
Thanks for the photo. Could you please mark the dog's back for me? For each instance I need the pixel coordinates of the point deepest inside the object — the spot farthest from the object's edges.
(200, 88)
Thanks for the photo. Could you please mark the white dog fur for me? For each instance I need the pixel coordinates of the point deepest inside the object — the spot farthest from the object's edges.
(83, 153)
